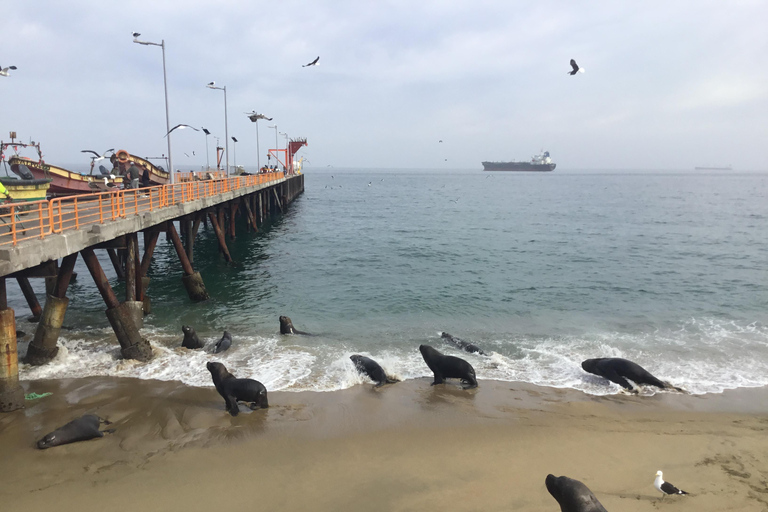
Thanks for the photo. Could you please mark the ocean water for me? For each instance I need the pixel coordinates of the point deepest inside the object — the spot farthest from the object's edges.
(542, 271)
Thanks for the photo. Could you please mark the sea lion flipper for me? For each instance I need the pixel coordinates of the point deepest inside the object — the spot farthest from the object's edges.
(612, 376)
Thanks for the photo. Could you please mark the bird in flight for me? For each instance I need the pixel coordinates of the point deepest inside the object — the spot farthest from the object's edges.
(313, 63)
(180, 127)
(665, 487)
(97, 156)
(253, 116)
(576, 68)
(4, 71)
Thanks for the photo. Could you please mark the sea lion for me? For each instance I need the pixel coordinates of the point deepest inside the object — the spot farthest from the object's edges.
(191, 341)
(463, 345)
(369, 367)
(224, 343)
(446, 367)
(619, 370)
(233, 389)
(572, 495)
(286, 327)
(80, 429)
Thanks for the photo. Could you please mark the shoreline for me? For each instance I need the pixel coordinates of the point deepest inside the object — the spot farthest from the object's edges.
(405, 446)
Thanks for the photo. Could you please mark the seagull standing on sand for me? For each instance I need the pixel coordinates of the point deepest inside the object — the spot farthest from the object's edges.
(665, 487)
(180, 127)
(4, 71)
(576, 68)
(313, 63)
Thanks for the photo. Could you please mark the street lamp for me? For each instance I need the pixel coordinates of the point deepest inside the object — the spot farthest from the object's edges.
(207, 164)
(254, 117)
(275, 127)
(285, 167)
(165, 84)
(235, 148)
(212, 85)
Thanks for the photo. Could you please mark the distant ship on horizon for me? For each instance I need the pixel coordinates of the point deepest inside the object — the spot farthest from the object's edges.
(539, 163)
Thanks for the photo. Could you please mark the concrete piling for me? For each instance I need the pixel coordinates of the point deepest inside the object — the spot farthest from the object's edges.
(11, 393)
(193, 281)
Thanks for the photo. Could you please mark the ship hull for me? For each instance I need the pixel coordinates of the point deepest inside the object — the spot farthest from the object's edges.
(518, 167)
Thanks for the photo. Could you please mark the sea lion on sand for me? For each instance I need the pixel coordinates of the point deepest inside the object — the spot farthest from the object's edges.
(463, 345)
(80, 429)
(619, 370)
(233, 389)
(286, 327)
(446, 367)
(191, 341)
(572, 495)
(223, 344)
(369, 367)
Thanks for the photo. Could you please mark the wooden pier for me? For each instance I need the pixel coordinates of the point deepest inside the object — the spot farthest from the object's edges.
(43, 239)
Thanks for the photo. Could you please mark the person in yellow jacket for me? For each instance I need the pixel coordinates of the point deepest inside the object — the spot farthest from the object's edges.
(3, 190)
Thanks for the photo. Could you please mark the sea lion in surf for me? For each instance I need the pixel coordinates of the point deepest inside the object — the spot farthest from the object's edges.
(374, 371)
(233, 389)
(224, 343)
(572, 495)
(191, 341)
(80, 429)
(618, 370)
(463, 345)
(286, 327)
(448, 367)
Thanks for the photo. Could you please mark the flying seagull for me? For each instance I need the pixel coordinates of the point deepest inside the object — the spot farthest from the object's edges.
(4, 71)
(313, 63)
(180, 127)
(253, 116)
(665, 487)
(576, 68)
(97, 156)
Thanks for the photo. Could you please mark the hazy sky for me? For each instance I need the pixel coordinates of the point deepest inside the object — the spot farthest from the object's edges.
(668, 84)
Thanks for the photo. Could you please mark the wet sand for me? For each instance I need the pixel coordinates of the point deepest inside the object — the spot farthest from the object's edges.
(408, 446)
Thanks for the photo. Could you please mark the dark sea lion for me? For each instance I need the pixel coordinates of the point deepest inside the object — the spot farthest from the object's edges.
(286, 327)
(191, 341)
(369, 367)
(463, 345)
(572, 495)
(81, 429)
(233, 389)
(447, 367)
(223, 344)
(619, 370)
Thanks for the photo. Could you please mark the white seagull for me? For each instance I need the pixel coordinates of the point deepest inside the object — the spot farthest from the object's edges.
(313, 63)
(665, 487)
(135, 36)
(575, 68)
(253, 116)
(97, 156)
(180, 127)
(211, 84)
(4, 71)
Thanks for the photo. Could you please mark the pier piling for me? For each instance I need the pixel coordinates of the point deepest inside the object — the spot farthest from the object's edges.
(193, 281)
(11, 393)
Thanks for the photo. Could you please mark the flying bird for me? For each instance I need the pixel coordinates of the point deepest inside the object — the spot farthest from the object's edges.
(4, 71)
(180, 127)
(206, 131)
(253, 116)
(440, 141)
(313, 63)
(97, 156)
(576, 68)
(665, 487)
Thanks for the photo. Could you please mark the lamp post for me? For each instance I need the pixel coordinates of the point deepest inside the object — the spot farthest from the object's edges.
(234, 146)
(287, 163)
(254, 117)
(161, 44)
(212, 85)
(207, 164)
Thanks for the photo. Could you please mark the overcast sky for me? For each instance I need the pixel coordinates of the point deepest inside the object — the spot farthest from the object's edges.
(668, 84)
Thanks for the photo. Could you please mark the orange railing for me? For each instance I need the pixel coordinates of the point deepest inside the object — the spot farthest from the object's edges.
(24, 221)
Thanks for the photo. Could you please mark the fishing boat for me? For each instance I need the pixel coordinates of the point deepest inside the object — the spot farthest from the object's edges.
(539, 163)
(18, 190)
(65, 182)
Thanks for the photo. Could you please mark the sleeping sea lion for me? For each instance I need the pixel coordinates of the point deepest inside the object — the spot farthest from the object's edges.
(445, 367)
(223, 344)
(572, 495)
(369, 367)
(233, 389)
(286, 327)
(80, 429)
(191, 341)
(619, 370)
(463, 345)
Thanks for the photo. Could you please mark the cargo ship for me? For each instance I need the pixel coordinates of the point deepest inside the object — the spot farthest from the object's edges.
(539, 163)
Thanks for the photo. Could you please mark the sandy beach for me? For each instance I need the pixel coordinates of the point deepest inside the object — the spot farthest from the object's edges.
(408, 446)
